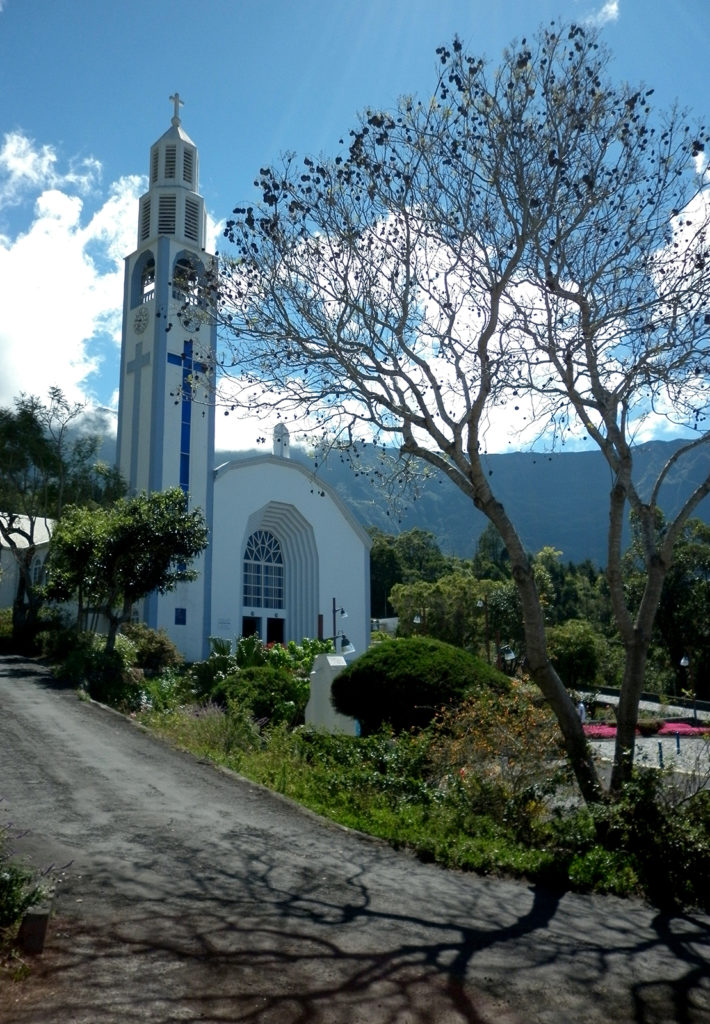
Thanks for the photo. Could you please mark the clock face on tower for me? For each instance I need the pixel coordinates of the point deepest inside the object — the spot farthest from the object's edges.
(189, 319)
(140, 320)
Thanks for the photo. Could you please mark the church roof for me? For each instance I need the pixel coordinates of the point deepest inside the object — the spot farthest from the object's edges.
(42, 529)
(176, 132)
(307, 474)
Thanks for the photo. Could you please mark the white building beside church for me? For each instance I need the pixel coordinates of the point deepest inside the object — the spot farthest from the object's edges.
(286, 558)
(40, 530)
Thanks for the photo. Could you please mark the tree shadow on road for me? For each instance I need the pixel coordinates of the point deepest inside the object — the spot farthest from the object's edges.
(29, 670)
(248, 943)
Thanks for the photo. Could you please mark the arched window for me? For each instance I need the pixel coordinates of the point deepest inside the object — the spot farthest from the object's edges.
(263, 571)
(186, 276)
(37, 570)
(148, 280)
(143, 279)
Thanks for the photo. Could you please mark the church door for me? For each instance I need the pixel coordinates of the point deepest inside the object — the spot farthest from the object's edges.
(274, 631)
(263, 589)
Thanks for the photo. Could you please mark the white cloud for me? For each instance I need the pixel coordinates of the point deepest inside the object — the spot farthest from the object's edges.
(62, 272)
(609, 11)
(24, 166)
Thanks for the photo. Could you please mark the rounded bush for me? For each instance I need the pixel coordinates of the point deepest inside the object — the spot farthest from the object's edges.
(268, 692)
(155, 651)
(403, 683)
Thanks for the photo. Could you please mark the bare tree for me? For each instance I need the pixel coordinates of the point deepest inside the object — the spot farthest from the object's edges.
(530, 243)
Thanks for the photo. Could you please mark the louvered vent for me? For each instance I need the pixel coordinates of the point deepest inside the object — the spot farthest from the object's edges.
(154, 157)
(192, 220)
(170, 160)
(145, 220)
(188, 166)
(166, 215)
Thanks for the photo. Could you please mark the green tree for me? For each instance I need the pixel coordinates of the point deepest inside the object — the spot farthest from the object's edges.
(683, 622)
(575, 649)
(385, 572)
(407, 557)
(447, 609)
(419, 556)
(43, 464)
(532, 239)
(112, 558)
(491, 561)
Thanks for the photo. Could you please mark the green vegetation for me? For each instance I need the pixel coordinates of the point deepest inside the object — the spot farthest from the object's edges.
(480, 783)
(457, 762)
(269, 683)
(20, 888)
(482, 788)
(403, 683)
(46, 463)
(108, 559)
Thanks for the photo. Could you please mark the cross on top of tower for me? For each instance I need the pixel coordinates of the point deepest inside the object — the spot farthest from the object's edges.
(177, 103)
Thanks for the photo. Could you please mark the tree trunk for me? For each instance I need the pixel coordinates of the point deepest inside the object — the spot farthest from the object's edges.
(114, 621)
(636, 651)
(26, 605)
(627, 712)
(554, 690)
(541, 669)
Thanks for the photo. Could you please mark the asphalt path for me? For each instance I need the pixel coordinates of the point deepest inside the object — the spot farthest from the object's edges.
(189, 894)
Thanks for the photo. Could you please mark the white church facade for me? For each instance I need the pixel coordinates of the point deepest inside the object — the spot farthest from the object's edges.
(286, 559)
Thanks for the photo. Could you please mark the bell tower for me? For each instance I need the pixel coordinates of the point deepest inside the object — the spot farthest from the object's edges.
(165, 413)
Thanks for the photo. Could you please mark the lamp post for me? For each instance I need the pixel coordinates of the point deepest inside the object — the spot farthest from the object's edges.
(686, 663)
(343, 614)
(483, 603)
(509, 658)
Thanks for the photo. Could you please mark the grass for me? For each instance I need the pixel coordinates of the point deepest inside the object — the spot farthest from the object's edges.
(498, 818)
(483, 788)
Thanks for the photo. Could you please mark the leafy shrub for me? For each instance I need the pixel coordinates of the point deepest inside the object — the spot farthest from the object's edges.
(382, 768)
(649, 726)
(19, 887)
(669, 842)
(250, 652)
(499, 755)
(154, 649)
(297, 659)
(207, 730)
(268, 692)
(575, 650)
(222, 662)
(167, 691)
(405, 682)
(108, 677)
(58, 642)
(602, 870)
(5, 630)
(205, 675)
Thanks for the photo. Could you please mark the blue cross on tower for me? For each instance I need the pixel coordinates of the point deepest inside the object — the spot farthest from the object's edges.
(189, 366)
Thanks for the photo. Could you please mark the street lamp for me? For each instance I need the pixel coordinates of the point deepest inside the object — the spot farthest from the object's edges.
(420, 620)
(483, 603)
(686, 663)
(509, 657)
(336, 635)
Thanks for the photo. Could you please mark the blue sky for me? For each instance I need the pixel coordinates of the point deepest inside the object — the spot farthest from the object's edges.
(84, 87)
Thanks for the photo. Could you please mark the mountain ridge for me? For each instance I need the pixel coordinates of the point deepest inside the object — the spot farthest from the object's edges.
(558, 499)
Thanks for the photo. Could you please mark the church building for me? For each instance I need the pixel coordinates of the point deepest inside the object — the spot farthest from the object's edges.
(286, 559)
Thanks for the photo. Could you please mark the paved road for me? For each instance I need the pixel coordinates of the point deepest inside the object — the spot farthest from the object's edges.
(192, 895)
